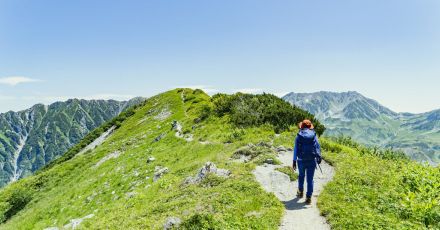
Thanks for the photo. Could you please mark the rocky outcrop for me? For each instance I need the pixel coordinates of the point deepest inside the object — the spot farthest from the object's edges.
(172, 223)
(208, 168)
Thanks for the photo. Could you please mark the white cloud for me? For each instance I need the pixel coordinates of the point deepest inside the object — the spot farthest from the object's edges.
(15, 80)
(5, 97)
(51, 99)
(120, 97)
(250, 90)
(280, 94)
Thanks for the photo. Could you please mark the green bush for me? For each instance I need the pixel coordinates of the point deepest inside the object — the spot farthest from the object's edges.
(246, 110)
(200, 221)
(14, 201)
(420, 196)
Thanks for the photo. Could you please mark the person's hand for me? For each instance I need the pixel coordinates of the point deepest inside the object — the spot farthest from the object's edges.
(318, 160)
(294, 166)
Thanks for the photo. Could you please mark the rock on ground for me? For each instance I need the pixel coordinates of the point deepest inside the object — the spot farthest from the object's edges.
(159, 172)
(158, 138)
(208, 168)
(172, 222)
(151, 159)
(74, 224)
(176, 126)
(163, 114)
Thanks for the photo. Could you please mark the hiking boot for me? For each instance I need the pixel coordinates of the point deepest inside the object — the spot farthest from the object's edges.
(308, 200)
(300, 194)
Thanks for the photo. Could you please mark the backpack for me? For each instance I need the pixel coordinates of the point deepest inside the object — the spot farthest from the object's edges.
(306, 144)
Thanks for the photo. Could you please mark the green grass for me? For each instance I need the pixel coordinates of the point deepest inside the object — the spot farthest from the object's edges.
(370, 192)
(75, 187)
(289, 171)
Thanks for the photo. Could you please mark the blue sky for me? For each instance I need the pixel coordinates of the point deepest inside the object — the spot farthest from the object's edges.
(54, 50)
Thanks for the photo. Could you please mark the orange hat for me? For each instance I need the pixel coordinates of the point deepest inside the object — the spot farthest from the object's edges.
(306, 124)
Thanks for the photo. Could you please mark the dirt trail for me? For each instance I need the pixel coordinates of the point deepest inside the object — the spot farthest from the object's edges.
(297, 215)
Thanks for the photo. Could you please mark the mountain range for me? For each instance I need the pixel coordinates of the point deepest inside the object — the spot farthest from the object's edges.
(367, 121)
(31, 138)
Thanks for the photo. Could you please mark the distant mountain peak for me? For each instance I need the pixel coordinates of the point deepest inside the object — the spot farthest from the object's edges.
(343, 105)
(367, 121)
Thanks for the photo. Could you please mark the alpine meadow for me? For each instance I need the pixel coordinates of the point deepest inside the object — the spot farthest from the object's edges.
(145, 174)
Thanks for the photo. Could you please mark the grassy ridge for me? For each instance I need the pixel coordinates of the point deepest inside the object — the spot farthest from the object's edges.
(121, 193)
(372, 189)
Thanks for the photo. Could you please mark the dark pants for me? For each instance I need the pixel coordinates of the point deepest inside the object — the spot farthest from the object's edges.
(306, 169)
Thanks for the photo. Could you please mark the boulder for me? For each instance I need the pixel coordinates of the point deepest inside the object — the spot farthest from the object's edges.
(171, 223)
(281, 149)
(159, 137)
(159, 171)
(176, 126)
(151, 159)
(74, 224)
(130, 195)
(269, 161)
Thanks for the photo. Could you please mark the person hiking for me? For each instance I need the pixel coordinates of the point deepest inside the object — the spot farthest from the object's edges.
(307, 153)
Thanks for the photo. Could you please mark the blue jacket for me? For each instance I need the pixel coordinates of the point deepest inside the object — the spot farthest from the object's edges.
(306, 146)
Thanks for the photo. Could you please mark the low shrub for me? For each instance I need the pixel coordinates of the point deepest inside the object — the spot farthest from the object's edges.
(246, 110)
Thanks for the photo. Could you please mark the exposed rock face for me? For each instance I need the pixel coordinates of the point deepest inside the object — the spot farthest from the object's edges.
(205, 171)
(108, 157)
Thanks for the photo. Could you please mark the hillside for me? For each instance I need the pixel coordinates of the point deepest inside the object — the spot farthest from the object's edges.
(32, 138)
(370, 123)
(183, 158)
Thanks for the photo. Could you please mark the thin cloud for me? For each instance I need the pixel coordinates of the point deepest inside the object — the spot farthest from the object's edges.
(280, 94)
(51, 99)
(15, 80)
(120, 97)
(250, 90)
(5, 98)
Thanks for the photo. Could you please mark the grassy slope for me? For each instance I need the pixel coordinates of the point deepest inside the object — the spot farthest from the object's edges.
(373, 193)
(367, 192)
(77, 188)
